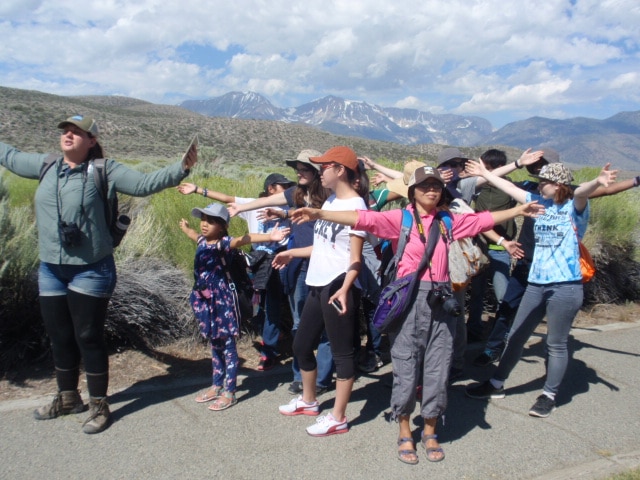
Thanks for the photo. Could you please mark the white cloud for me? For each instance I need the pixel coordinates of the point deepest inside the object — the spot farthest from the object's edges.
(463, 56)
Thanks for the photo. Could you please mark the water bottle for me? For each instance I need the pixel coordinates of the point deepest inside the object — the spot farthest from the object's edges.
(119, 229)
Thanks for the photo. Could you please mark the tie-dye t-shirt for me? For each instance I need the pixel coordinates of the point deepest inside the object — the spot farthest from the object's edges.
(556, 257)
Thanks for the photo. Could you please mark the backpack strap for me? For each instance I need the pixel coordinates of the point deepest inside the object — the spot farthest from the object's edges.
(446, 225)
(102, 185)
(405, 231)
(49, 160)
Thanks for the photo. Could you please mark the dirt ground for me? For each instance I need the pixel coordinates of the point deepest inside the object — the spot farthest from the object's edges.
(188, 358)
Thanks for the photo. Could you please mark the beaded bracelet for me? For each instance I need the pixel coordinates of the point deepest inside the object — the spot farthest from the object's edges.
(204, 192)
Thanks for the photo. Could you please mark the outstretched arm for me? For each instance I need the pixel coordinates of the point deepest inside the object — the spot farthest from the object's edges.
(582, 193)
(531, 209)
(188, 231)
(614, 188)
(477, 168)
(189, 188)
(307, 214)
(389, 172)
(276, 235)
(275, 200)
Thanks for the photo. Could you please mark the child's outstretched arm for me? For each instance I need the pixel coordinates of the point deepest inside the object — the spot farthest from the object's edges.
(276, 235)
(188, 231)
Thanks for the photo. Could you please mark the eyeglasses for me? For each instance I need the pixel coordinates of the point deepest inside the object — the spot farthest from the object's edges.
(436, 187)
(326, 166)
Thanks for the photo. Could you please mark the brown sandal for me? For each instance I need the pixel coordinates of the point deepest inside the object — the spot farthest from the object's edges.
(223, 402)
(211, 394)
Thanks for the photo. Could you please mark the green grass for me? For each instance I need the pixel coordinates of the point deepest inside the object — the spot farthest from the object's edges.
(630, 475)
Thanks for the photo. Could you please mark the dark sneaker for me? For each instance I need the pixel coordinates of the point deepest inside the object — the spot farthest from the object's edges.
(266, 364)
(369, 363)
(543, 407)
(295, 388)
(486, 358)
(320, 390)
(64, 403)
(484, 390)
(455, 374)
(379, 362)
(99, 416)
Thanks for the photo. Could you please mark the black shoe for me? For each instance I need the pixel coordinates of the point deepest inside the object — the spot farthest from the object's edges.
(486, 358)
(295, 388)
(320, 390)
(543, 407)
(484, 390)
(455, 374)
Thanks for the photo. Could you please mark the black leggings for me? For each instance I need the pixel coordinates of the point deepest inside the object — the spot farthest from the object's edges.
(75, 325)
(317, 315)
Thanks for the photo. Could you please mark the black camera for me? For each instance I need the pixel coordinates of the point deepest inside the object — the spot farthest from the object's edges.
(70, 234)
(444, 296)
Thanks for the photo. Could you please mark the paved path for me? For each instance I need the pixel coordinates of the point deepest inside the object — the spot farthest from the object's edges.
(161, 433)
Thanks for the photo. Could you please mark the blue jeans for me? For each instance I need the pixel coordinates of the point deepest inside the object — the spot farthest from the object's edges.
(374, 338)
(499, 267)
(324, 359)
(272, 316)
(560, 302)
(96, 279)
(508, 307)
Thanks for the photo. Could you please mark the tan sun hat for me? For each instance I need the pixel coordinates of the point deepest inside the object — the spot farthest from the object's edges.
(400, 185)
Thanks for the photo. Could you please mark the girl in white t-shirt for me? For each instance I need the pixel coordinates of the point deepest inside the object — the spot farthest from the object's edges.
(335, 260)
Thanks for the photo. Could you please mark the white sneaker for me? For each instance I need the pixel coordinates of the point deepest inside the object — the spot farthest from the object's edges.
(327, 425)
(297, 406)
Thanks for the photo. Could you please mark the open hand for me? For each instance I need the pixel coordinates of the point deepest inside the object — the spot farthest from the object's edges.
(186, 188)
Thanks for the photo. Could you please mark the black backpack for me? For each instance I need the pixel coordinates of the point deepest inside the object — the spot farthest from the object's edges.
(118, 224)
(237, 272)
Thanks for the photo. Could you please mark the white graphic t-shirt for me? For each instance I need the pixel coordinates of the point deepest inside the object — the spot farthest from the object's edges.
(331, 243)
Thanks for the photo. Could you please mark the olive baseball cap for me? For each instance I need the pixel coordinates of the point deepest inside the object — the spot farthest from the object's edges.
(86, 124)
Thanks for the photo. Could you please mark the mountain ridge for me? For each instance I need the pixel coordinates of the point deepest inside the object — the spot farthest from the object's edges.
(580, 140)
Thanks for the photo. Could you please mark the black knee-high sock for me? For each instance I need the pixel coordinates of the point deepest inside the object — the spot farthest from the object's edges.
(89, 314)
(59, 327)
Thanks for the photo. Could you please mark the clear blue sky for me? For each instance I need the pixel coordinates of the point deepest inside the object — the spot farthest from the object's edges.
(503, 61)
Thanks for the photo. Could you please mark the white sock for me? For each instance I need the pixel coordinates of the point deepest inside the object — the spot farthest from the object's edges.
(552, 396)
(496, 383)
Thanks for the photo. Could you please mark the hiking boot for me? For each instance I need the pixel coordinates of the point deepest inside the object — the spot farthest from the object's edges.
(484, 390)
(327, 425)
(486, 358)
(543, 407)
(99, 416)
(297, 406)
(64, 403)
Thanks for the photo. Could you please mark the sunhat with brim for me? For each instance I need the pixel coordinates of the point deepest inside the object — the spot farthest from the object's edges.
(212, 210)
(449, 155)
(86, 124)
(340, 155)
(399, 185)
(303, 157)
(556, 173)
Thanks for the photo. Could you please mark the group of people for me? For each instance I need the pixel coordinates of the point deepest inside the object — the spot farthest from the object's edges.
(316, 240)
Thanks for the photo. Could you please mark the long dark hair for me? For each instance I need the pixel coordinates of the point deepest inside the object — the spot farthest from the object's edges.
(315, 191)
(96, 151)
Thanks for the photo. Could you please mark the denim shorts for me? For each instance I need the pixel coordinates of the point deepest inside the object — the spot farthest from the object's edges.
(96, 279)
